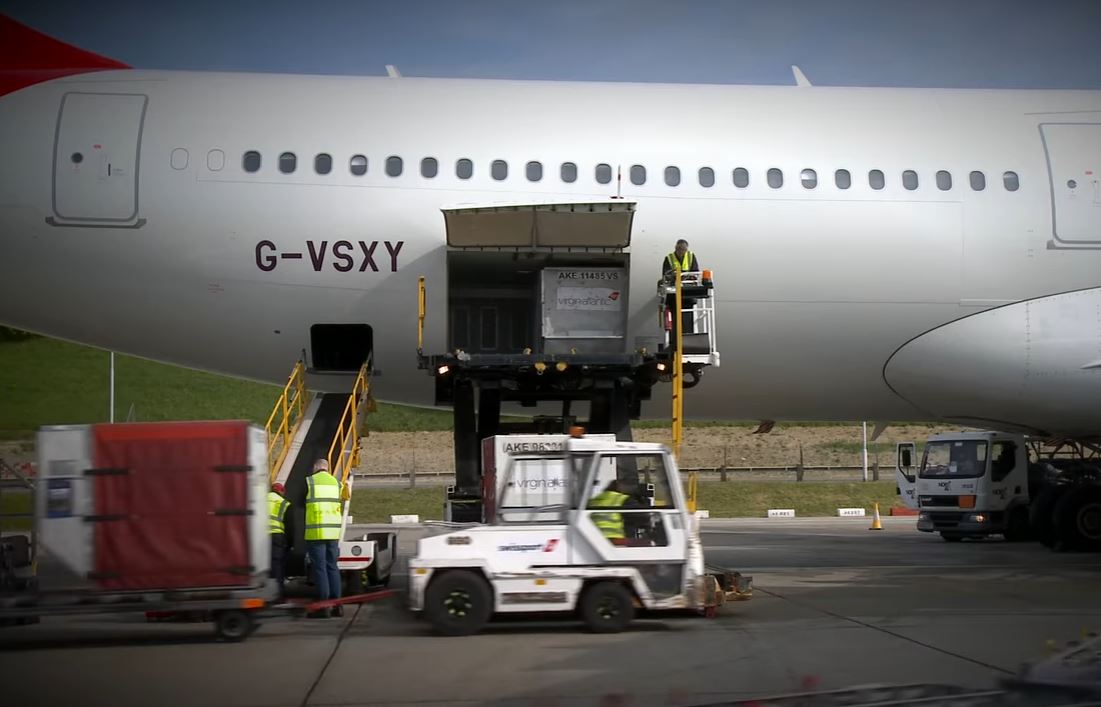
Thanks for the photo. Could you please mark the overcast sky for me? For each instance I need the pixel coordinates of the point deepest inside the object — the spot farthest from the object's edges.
(947, 43)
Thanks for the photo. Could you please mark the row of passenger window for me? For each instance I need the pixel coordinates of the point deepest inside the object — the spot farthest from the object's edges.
(602, 173)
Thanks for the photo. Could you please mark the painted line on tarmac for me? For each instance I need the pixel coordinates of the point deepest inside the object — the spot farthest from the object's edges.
(803, 519)
(895, 634)
(805, 533)
(329, 660)
(962, 565)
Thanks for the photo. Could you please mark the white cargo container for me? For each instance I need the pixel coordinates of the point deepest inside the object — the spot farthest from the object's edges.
(584, 310)
(531, 483)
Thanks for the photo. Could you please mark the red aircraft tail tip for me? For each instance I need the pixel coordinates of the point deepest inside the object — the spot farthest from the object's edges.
(28, 57)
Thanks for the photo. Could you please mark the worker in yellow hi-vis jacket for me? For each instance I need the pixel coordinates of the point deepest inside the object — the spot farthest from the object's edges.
(683, 260)
(324, 515)
(277, 531)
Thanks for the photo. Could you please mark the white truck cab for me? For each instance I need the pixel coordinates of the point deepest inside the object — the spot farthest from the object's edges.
(573, 554)
(968, 484)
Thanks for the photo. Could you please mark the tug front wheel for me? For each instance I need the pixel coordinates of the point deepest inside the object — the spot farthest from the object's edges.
(607, 607)
(458, 603)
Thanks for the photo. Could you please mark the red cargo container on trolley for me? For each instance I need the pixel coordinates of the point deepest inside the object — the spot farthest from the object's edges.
(165, 516)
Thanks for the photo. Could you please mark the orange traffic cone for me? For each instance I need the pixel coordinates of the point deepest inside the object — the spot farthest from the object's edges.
(877, 524)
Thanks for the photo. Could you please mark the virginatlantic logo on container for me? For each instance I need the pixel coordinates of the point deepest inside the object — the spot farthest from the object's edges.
(588, 298)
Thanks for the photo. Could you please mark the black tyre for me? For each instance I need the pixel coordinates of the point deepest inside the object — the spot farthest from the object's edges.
(607, 607)
(1041, 514)
(233, 625)
(1077, 519)
(1017, 528)
(951, 537)
(458, 603)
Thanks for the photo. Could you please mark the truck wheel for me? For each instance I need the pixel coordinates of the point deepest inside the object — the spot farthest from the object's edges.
(233, 625)
(1016, 526)
(1041, 515)
(458, 603)
(1077, 519)
(607, 607)
(951, 537)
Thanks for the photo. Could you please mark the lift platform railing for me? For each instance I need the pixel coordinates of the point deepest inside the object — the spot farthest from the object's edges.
(289, 409)
(343, 454)
(699, 287)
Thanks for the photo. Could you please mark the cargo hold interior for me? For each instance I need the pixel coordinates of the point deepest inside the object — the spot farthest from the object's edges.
(504, 302)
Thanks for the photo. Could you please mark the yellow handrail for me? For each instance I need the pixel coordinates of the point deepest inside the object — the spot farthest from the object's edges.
(693, 491)
(421, 307)
(292, 404)
(345, 459)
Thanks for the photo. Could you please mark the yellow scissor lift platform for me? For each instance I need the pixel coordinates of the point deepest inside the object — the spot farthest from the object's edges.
(686, 301)
(556, 279)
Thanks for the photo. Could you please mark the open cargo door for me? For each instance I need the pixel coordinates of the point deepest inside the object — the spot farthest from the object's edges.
(603, 225)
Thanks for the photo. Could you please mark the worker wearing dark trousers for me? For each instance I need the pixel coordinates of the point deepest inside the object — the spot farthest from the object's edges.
(324, 514)
(687, 262)
(277, 513)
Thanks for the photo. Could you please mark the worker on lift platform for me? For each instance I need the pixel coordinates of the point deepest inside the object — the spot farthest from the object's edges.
(686, 260)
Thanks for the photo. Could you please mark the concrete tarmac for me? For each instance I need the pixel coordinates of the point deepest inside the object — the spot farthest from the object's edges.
(835, 605)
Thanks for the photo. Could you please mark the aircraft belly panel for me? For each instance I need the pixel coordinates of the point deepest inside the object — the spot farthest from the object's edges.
(1022, 366)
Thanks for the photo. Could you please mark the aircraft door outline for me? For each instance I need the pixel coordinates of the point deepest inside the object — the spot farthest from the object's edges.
(1073, 155)
(97, 156)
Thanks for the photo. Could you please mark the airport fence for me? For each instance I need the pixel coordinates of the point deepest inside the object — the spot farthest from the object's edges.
(711, 462)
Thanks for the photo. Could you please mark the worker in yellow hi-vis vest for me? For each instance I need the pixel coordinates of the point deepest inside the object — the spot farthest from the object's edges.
(277, 531)
(610, 524)
(686, 260)
(324, 515)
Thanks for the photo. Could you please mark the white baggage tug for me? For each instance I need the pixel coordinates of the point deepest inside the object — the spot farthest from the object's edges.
(550, 555)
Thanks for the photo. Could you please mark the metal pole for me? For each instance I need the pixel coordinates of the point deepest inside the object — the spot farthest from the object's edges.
(111, 412)
(865, 426)
(678, 367)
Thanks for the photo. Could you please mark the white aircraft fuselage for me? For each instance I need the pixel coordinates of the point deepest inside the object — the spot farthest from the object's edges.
(980, 306)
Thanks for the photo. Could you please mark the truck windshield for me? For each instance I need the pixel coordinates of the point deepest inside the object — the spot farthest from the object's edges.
(956, 459)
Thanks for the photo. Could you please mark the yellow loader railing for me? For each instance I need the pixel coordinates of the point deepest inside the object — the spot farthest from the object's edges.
(693, 491)
(422, 309)
(344, 451)
(289, 409)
